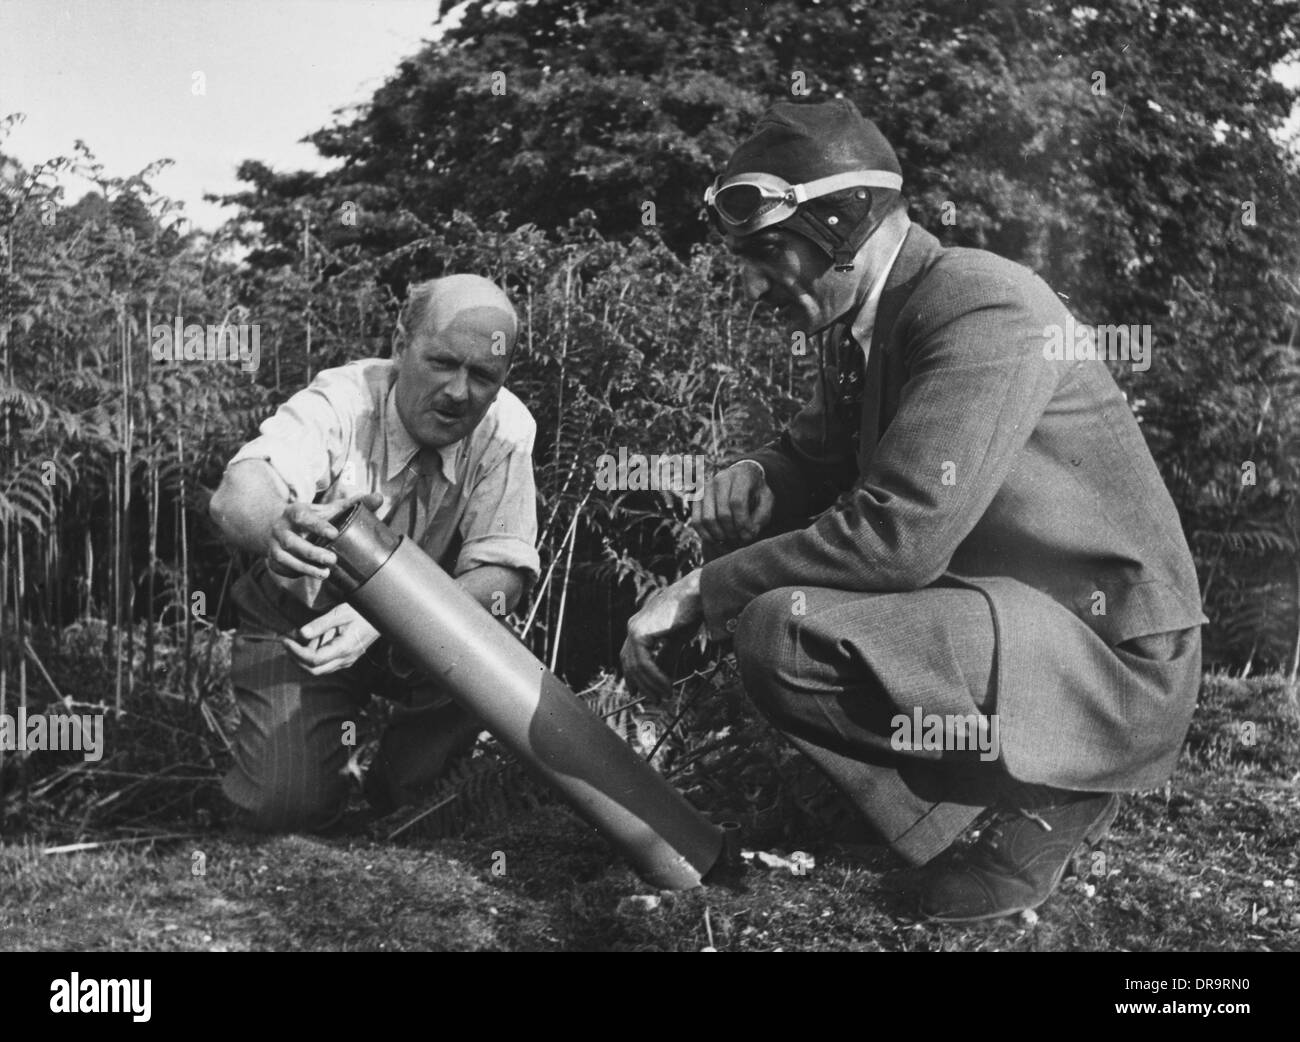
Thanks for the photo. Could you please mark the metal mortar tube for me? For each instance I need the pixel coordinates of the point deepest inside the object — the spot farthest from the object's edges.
(404, 594)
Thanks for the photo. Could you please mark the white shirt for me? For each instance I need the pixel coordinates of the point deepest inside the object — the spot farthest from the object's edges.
(865, 323)
(342, 435)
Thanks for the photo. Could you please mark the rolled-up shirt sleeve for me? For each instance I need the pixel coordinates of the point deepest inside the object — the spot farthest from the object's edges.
(306, 439)
(499, 526)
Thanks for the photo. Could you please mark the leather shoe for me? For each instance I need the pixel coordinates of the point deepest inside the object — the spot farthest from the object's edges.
(1018, 860)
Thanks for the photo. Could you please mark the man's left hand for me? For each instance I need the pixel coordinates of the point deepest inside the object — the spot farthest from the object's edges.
(341, 636)
(672, 608)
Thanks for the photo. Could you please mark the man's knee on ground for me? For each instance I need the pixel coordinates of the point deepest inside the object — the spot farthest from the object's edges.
(309, 809)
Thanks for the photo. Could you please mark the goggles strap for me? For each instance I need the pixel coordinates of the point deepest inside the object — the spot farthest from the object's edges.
(837, 182)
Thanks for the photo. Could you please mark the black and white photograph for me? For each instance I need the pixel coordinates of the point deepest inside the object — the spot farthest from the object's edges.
(650, 476)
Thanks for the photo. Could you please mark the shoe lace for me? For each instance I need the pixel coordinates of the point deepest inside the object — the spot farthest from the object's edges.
(996, 822)
(1035, 818)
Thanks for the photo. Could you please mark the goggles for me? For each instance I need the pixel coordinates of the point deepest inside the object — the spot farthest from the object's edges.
(750, 202)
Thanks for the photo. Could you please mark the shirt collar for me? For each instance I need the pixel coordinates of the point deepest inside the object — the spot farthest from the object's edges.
(866, 320)
(401, 448)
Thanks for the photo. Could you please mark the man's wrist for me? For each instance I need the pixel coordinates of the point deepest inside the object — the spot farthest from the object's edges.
(689, 598)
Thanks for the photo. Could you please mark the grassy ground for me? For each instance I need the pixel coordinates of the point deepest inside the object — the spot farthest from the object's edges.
(1210, 862)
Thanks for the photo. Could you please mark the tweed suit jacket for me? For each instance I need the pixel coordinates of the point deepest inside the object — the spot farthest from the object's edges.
(982, 462)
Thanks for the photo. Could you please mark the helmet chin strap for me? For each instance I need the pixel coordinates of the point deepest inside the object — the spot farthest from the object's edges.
(842, 250)
(844, 257)
(845, 252)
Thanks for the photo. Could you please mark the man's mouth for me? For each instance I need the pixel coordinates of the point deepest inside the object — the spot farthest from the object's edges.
(445, 417)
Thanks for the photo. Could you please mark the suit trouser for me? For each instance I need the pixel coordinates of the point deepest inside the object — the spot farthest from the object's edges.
(833, 670)
(297, 730)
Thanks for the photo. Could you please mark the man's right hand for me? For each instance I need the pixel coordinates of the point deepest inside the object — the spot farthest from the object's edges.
(735, 506)
(288, 551)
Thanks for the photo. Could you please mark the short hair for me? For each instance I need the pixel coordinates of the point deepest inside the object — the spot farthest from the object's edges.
(415, 311)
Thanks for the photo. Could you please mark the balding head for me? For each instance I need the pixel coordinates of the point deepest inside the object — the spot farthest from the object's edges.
(470, 301)
(456, 337)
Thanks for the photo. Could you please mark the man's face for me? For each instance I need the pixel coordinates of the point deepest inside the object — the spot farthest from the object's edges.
(447, 378)
(786, 270)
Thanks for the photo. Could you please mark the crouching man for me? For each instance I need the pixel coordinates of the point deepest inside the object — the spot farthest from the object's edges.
(959, 535)
(432, 441)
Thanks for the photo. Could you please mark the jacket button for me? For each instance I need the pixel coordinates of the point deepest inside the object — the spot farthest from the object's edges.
(732, 625)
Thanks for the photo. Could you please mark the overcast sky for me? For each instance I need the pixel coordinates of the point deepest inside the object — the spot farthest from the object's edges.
(120, 75)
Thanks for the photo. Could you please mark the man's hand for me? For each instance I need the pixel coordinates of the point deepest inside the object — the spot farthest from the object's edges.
(288, 551)
(735, 506)
(672, 608)
(340, 637)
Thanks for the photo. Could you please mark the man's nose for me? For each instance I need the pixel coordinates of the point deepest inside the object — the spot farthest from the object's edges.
(457, 386)
(755, 283)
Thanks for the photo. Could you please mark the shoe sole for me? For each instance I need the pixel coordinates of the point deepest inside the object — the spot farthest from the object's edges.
(1091, 837)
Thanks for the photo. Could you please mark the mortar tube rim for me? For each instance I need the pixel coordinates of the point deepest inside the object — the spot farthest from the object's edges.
(361, 535)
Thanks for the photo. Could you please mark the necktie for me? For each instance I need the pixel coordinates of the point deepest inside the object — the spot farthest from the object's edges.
(849, 366)
(423, 470)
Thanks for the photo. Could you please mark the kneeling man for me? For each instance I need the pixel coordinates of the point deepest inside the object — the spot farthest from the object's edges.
(956, 581)
(432, 441)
